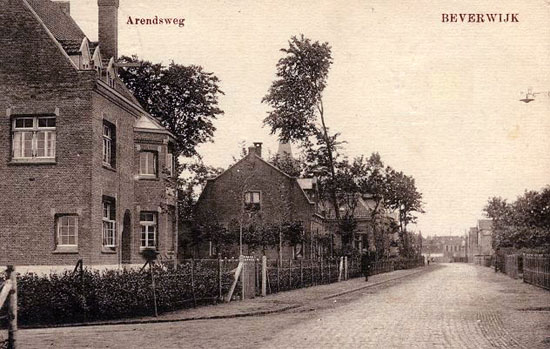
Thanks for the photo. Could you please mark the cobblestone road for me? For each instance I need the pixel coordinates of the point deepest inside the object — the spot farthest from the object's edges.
(451, 306)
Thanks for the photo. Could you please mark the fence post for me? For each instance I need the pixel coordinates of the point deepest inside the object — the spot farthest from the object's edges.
(264, 276)
(220, 277)
(243, 281)
(328, 264)
(193, 282)
(340, 269)
(345, 267)
(290, 273)
(12, 308)
(311, 269)
(154, 288)
(321, 271)
(279, 261)
(301, 273)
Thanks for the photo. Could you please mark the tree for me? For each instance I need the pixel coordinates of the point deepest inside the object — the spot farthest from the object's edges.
(287, 164)
(296, 98)
(402, 195)
(183, 98)
(191, 181)
(522, 224)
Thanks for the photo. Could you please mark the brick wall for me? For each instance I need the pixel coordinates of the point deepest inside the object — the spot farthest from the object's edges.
(281, 197)
(36, 77)
(151, 194)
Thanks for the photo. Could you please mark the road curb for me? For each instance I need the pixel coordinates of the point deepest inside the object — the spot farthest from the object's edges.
(150, 321)
(371, 285)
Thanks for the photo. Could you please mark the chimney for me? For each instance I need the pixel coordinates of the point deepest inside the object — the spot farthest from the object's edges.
(108, 27)
(65, 6)
(257, 148)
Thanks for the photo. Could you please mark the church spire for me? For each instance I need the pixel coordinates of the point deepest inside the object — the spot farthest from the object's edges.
(284, 150)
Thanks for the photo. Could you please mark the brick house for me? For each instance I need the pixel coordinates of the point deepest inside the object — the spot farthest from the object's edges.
(86, 172)
(480, 240)
(253, 186)
(445, 248)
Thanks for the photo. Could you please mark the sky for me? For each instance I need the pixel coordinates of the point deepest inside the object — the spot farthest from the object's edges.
(438, 101)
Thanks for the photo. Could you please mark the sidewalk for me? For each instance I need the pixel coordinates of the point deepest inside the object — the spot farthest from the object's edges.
(274, 303)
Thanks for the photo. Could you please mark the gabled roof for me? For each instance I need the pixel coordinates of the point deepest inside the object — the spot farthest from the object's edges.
(256, 156)
(147, 123)
(60, 24)
(72, 47)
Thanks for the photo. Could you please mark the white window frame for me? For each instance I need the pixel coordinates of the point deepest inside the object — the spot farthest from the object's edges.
(170, 163)
(109, 224)
(34, 130)
(148, 227)
(60, 226)
(108, 142)
(141, 167)
(250, 200)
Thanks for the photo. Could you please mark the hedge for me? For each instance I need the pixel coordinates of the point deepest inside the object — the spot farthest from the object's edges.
(114, 294)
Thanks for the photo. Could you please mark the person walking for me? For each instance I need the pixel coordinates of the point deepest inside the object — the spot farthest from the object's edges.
(366, 264)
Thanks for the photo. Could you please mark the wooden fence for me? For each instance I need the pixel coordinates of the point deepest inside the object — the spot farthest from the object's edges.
(536, 270)
(483, 260)
(512, 265)
(8, 294)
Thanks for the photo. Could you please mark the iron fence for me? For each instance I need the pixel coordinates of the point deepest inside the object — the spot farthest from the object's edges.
(536, 270)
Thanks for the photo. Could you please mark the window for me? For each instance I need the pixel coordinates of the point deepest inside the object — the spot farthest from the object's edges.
(109, 144)
(148, 163)
(67, 230)
(148, 223)
(34, 137)
(109, 223)
(170, 164)
(252, 200)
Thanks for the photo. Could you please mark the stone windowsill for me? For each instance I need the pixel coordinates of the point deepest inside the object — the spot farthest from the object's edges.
(108, 250)
(66, 249)
(33, 161)
(109, 167)
(148, 178)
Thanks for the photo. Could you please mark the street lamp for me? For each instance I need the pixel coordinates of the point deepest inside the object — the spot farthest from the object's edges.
(530, 95)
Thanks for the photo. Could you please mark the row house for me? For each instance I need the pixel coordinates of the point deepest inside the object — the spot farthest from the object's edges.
(85, 172)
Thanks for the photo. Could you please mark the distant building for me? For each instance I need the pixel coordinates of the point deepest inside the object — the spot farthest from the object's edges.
(480, 240)
(445, 248)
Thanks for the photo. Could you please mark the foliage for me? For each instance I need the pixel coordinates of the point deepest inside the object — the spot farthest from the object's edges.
(293, 233)
(403, 195)
(287, 164)
(522, 224)
(296, 100)
(65, 298)
(258, 234)
(183, 98)
(191, 181)
(296, 95)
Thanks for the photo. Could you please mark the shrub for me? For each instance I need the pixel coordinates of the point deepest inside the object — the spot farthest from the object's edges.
(114, 294)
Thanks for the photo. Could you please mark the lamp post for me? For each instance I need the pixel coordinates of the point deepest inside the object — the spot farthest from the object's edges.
(530, 95)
